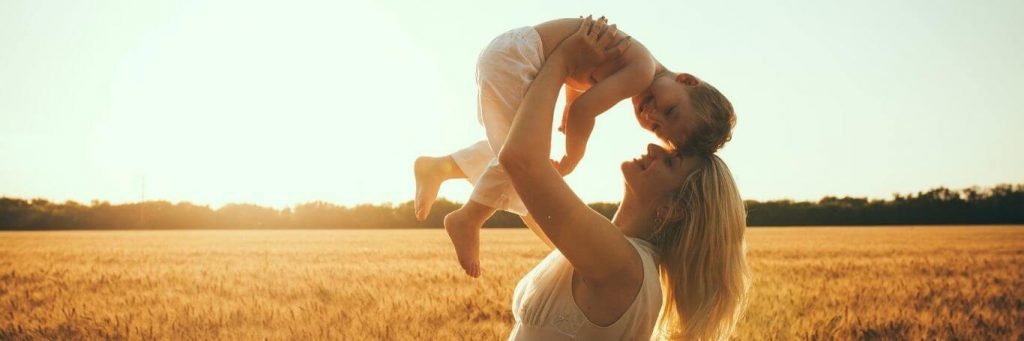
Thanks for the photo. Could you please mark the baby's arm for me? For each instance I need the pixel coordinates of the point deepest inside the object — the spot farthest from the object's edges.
(622, 84)
(571, 94)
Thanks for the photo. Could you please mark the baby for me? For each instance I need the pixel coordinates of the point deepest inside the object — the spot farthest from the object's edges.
(688, 115)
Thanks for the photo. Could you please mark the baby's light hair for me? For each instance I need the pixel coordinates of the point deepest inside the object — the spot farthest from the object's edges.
(715, 120)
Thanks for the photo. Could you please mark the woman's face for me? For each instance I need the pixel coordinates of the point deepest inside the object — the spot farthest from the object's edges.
(658, 174)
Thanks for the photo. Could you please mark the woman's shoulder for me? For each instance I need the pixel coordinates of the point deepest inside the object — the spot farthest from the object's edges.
(649, 296)
(647, 303)
(649, 256)
(648, 252)
(639, 317)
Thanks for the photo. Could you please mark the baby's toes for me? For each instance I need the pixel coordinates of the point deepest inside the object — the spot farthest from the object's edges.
(474, 270)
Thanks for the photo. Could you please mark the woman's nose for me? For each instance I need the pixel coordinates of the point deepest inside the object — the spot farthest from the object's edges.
(655, 150)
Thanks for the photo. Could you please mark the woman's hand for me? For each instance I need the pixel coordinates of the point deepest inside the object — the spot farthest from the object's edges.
(593, 44)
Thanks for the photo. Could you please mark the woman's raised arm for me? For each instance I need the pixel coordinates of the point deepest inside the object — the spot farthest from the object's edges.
(597, 249)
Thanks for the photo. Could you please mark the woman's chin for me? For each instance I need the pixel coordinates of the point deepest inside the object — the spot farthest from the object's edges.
(629, 170)
(627, 167)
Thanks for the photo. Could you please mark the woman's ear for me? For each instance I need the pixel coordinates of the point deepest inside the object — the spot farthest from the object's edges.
(687, 79)
(670, 213)
(660, 214)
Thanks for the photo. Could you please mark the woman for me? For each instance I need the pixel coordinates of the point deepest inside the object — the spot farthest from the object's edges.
(682, 217)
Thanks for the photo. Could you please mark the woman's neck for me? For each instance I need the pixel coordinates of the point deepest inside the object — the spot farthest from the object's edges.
(634, 218)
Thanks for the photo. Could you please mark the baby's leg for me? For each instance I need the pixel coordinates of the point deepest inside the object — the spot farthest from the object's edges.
(504, 72)
(430, 173)
(467, 163)
(463, 226)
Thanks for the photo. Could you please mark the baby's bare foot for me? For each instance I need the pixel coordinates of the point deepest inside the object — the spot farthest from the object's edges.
(465, 235)
(430, 173)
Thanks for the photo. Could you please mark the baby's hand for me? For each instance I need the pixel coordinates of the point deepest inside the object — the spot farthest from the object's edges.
(567, 164)
(592, 44)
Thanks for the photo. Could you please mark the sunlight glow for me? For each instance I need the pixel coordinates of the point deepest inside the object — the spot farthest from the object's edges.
(278, 104)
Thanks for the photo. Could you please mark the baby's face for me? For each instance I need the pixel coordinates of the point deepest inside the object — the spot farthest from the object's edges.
(665, 108)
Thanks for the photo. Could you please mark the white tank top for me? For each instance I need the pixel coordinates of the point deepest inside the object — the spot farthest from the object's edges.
(544, 308)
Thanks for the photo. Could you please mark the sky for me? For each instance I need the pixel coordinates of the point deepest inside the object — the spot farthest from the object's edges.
(280, 103)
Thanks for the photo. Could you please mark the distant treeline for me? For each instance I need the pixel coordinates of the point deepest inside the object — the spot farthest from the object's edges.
(1003, 204)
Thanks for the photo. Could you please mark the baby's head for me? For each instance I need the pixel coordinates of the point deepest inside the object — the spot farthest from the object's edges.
(688, 114)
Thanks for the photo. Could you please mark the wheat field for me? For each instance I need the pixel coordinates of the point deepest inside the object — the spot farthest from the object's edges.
(810, 283)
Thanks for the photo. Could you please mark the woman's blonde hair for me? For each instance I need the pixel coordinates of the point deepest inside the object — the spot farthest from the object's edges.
(704, 271)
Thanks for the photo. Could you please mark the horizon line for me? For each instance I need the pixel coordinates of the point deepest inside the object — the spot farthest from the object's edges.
(443, 198)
